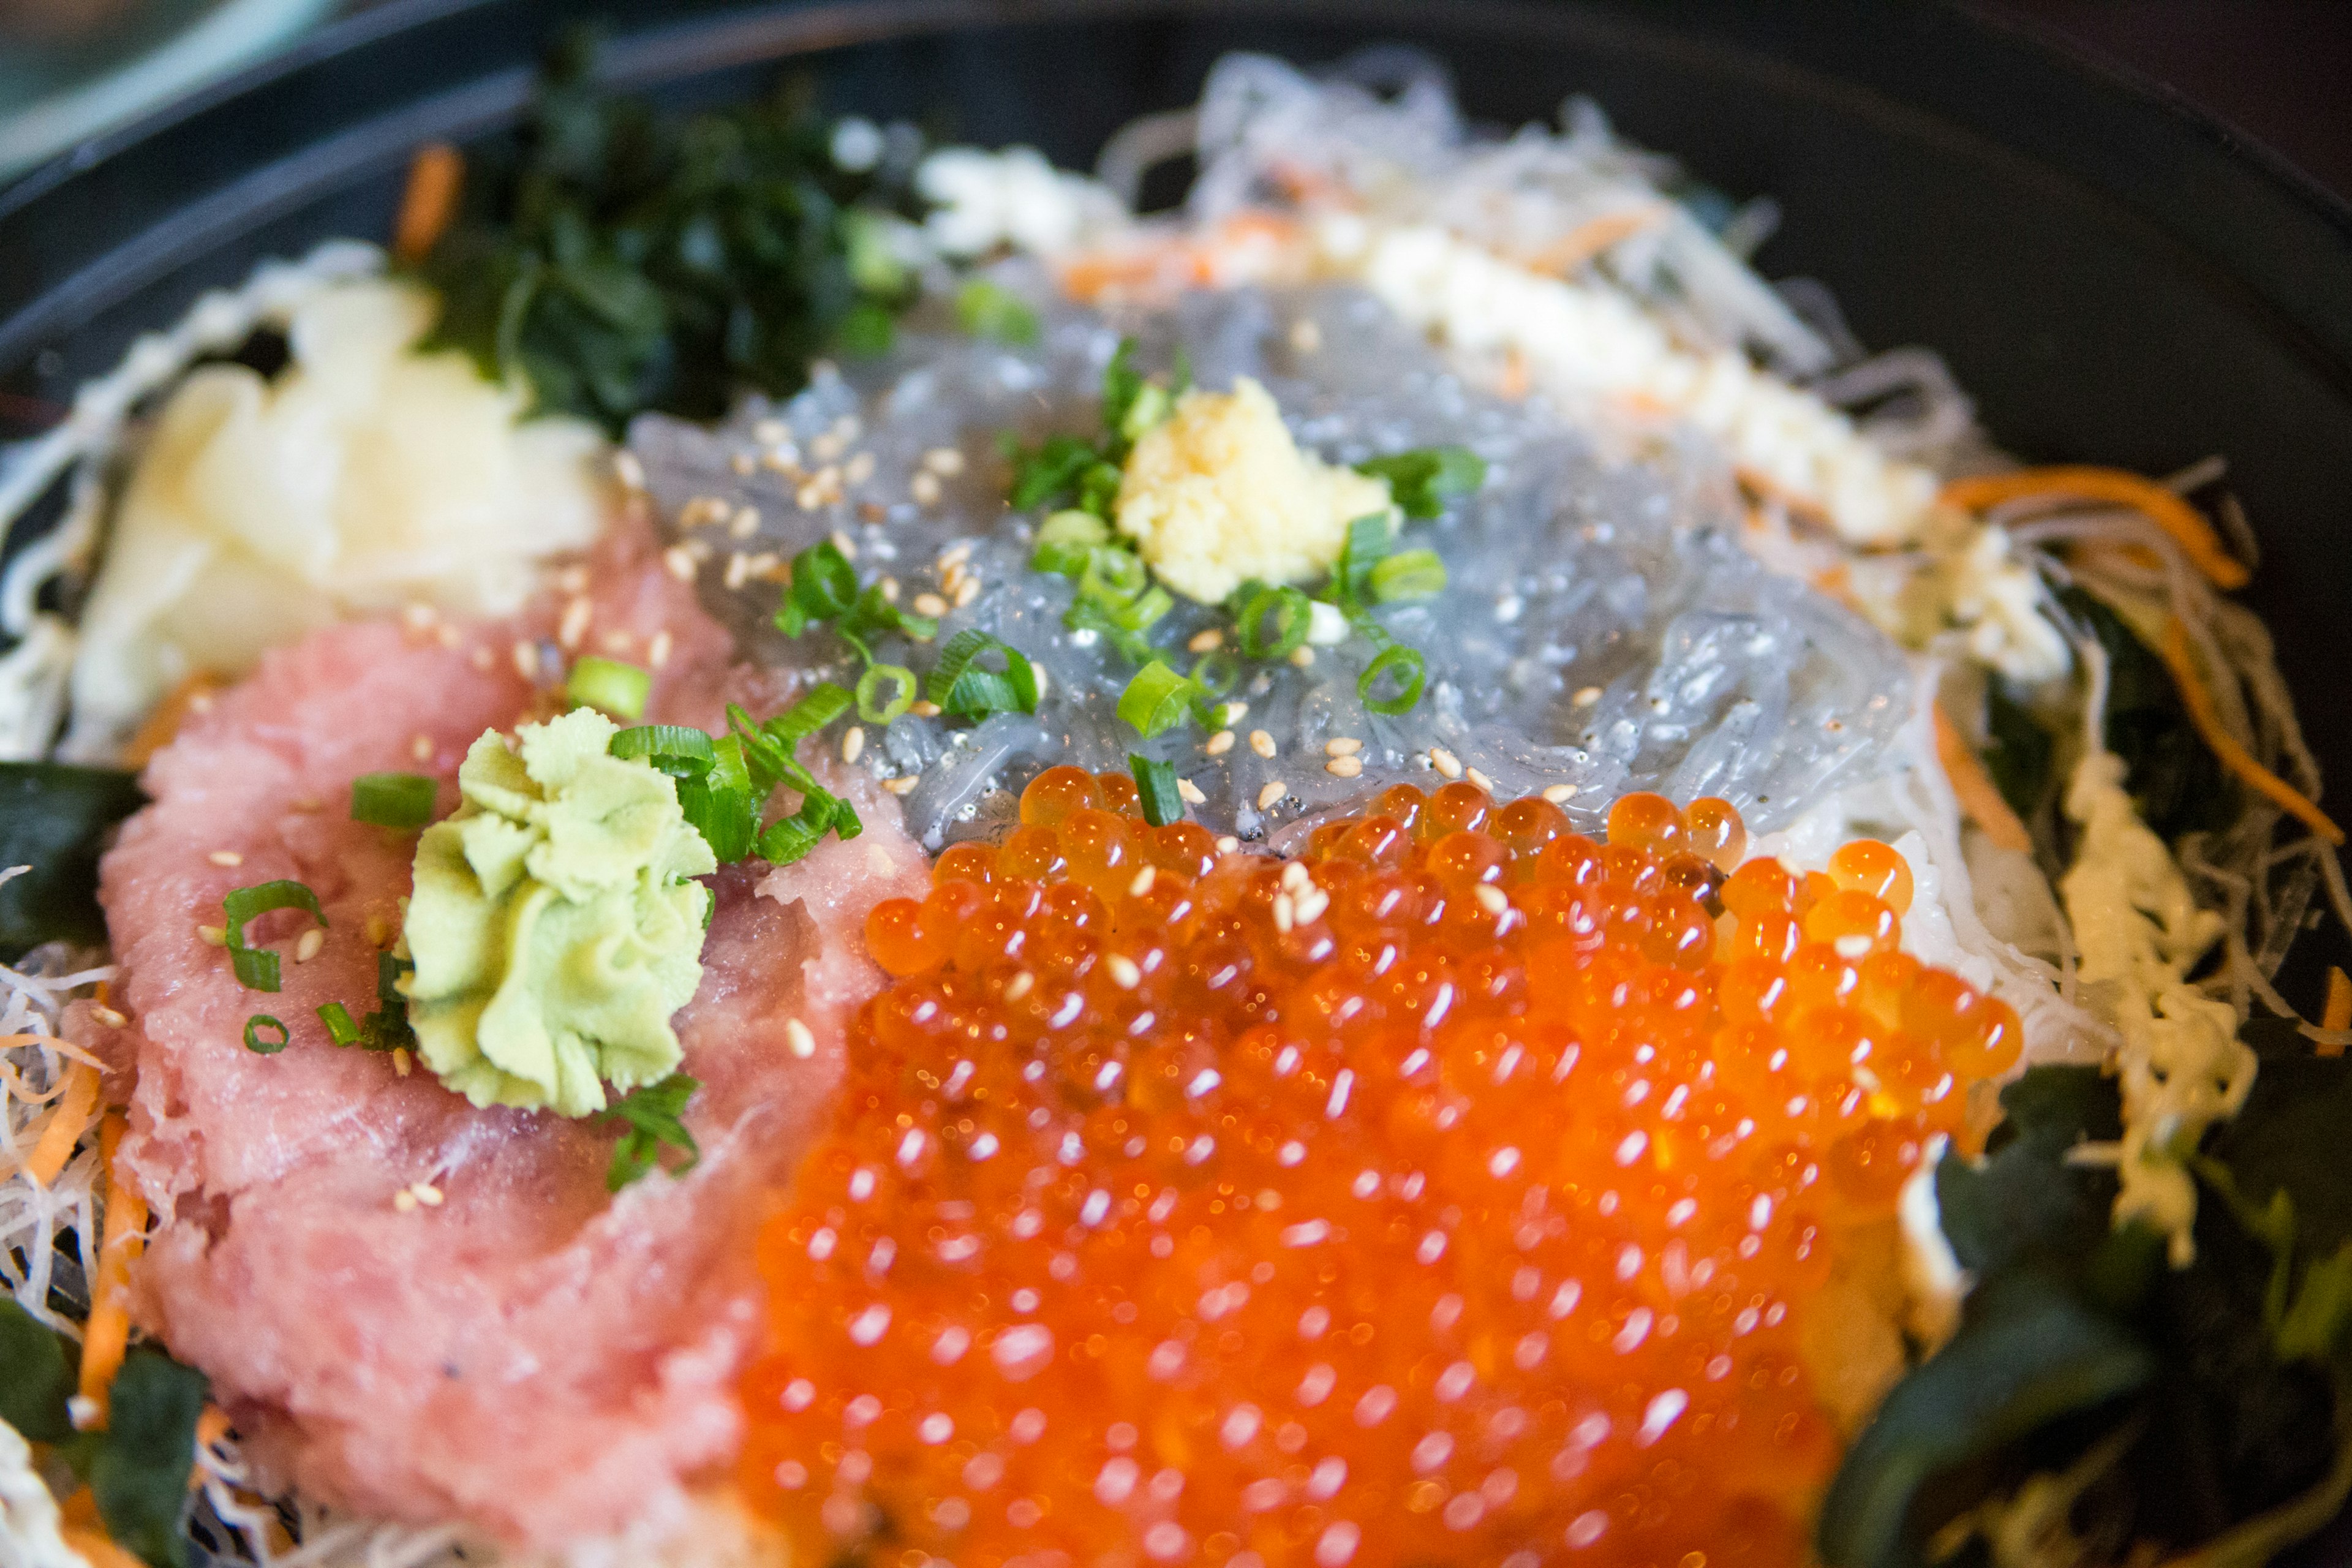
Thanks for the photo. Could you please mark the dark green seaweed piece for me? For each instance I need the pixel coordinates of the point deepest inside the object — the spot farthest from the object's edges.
(57, 819)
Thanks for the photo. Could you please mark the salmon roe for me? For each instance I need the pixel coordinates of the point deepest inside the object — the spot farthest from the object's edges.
(1454, 1194)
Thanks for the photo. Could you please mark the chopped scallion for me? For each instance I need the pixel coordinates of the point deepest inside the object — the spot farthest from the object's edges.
(1409, 574)
(1420, 479)
(1065, 542)
(261, 1044)
(967, 689)
(824, 586)
(1405, 667)
(1051, 471)
(903, 686)
(1157, 699)
(678, 749)
(257, 968)
(988, 309)
(341, 1028)
(819, 706)
(1293, 613)
(608, 685)
(1217, 672)
(393, 800)
(1156, 789)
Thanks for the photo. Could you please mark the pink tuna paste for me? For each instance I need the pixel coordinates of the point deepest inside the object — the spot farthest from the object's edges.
(508, 1345)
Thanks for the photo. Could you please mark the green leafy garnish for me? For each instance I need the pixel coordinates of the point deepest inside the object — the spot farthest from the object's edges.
(652, 1120)
(265, 1035)
(402, 801)
(57, 820)
(609, 686)
(723, 783)
(871, 706)
(257, 968)
(678, 749)
(988, 309)
(1050, 472)
(1066, 540)
(1157, 699)
(1408, 574)
(1156, 789)
(1422, 480)
(1404, 665)
(1293, 613)
(968, 689)
(824, 586)
(618, 261)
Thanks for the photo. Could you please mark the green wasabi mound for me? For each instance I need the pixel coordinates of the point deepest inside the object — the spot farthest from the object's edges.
(554, 925)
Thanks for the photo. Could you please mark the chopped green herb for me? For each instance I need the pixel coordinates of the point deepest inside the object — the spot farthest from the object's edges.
(1051, 472)
(1365, 546)
(1408, 574)
(678, 749)
(1293, 613)
(1066, 542)
(609, 686)
(265, 1035)
(988, 309)
(720, 804)
(341, 1028)
(393, 800)
(824, 586)
(965, 687)
(873, 618)
(1155, 787)
(1420, 480)
(903, 686)
(811, 711)
(652, 1120)
(1157, 699)
(625, 261)
(257, 968)
(1401, 664)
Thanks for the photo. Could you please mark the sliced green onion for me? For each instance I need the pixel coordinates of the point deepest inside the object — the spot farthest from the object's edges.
(1065, 542)
(866, 330)
(1054, 468)
(1217, 672)
(1366, 544)
(678, 749)
(393, 800)
(1113, 576)
(1122, 383)
(1157, 699)
(1087, 615)
(1152, 406)
(341, 1026)
(1406, 667)
(1409, 574)
(257, 968)
(1155, 786)
(988, 309)
(824, 586)
(903, 686)
(608, 685)
(1293, 613)
(254, 1040)
(961, 686)
(1420, 479)
(820, 706)
(873, 616)
(1139, 613)
(821, 812)
(1098, 488)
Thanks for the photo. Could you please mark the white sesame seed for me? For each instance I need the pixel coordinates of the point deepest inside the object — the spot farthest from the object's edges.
(738, 570)
(798, 1036)
(1586, 696)
(1309, 905)
(743, 463)
(1207, 641)
(809, 497)
(657, 651)
(924, 708)
(967, 592)
(1123, 971)
(628, 470)
(225, 857)
(1261, 742)
(1236, 712)
(575, 624)
(1286, 913)
(417, 616)
(1481, 780)
(853, 744)
(1143, 880)
(106, 1016)
(679, 562)
(846, 546)
(1344, 767)
(1559, 793)
(946, 461)
(1491, 899)
(215, 935)
(827, 446)
(573, 579)
(421, 748)
(1344, 746)
(931, 604)
(859, 468)
(447, 635)
(1270, 794)
(1219, 743)
(904, 785)
(1304, 335)
(1445, 762)
(427, 1194)
(768, 431)
(617, 641)
(1295, 876)
(1190, 793)
(925, 489)
(307, 946)
(1020, 985)
(1229, 845)
(405, 1201)
(401, 1061)
(1302, 655)
(745, 523)
(955, 555)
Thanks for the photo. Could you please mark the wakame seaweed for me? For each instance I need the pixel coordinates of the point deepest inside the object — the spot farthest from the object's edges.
(2218, 1392)
(618, 260)
(56, 819)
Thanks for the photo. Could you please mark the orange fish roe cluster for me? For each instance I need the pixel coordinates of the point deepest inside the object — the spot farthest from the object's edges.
(1452, 1194)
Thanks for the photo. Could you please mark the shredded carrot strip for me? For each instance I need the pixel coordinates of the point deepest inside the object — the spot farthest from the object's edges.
(2184, 522)
(66, 1125)
(66, 1048)
(435, 176)
(79, 1511)
(1980, 799)
(2338, 1013)
(106, 1335)
(1590, 238)
(2224, 745)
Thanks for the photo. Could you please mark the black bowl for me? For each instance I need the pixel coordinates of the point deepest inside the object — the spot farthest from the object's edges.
(2115, 278)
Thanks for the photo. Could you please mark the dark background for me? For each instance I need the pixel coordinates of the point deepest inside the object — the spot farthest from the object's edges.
(2279, 70)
